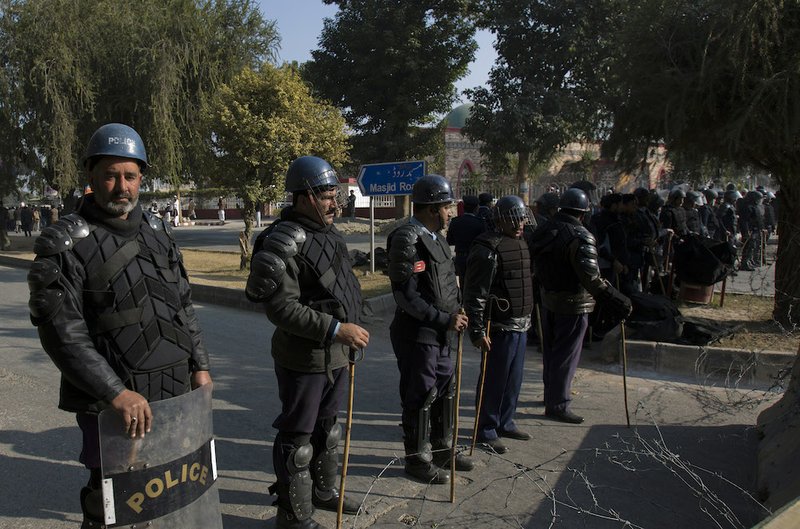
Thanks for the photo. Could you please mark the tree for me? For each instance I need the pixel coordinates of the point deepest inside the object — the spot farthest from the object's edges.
(542, 88)
(719, 78)
(391, 67)
(69, 65)
(259, 123)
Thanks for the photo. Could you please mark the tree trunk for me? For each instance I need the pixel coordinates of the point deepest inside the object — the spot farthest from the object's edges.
(523, 163)
(787, 278)
(248, 214)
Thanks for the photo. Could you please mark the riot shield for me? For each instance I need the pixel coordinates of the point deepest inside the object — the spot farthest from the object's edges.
(168, 478)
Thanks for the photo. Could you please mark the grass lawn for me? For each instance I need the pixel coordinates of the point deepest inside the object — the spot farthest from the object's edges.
(221, 269)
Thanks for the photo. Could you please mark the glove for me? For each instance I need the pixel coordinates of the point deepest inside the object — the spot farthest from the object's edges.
(616, 303)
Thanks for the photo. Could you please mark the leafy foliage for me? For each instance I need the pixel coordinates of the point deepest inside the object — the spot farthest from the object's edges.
(259, 123)
(391, 67)
(70, 65)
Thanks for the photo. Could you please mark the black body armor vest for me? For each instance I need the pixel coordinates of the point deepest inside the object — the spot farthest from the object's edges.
(326, 253)
(133, 308)
(437, 283)
(512, 280)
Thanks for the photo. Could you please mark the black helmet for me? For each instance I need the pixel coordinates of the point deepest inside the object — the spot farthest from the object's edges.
(730, 187)
(710, 195)
(675, 194)
(548, 201)
(641, 192)
(470, 202)
(511, 208)
(694, 198)
(116, 139)
(754, 197)
(732, 195)
(574, 199)
(431, 189)
(308, 173)
(485, 199)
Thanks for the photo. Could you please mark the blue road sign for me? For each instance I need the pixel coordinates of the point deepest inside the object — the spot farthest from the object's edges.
(393, 178)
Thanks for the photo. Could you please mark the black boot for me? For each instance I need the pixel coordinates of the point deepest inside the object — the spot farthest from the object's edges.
(442, 424)
(419, 459)
(287, 520)
(325, 468)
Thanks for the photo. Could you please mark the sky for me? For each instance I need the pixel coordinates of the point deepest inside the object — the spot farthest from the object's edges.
(300, 23)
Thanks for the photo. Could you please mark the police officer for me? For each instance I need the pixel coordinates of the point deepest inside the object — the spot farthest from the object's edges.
(565, 263)
(462, 231)
(302, 274)
(485, 205)
(694, 225)
(546, 206)
(673, 216)
(708, 216)
(727, 215)
(112, 304)
(424, 285)
(498, 291)
(751, 225)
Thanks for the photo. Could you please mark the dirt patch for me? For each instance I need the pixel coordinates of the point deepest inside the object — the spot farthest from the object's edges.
(753, 315)
(221, 269)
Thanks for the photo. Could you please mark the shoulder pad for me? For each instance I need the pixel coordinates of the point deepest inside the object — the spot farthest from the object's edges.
(53, 240)
(402, 251)
(158, 223)
(403, 241)
(266, 274)
(77, 227)
(42, 273)
(489, 239)
(62, 235)
(284, 240)
(585, 235)
(153, 221)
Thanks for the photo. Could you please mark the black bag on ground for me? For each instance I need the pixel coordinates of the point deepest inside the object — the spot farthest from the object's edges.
(703, 261)
(655, 318)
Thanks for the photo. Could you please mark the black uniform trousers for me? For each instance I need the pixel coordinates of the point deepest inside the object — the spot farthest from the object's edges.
(306, 399)
(562, 345)
(422, 367)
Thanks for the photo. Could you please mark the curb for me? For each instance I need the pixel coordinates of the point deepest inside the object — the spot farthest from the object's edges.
(735, 366)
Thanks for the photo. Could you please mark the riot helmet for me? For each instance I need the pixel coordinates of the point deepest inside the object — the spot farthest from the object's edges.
(693, 197)
(511, 209)
(732, 196)
(116, 139)
(676, 194)
(548, 201)
(431, 189)
(754, 197)
(574, 199)
(710, 195)
(309, 173)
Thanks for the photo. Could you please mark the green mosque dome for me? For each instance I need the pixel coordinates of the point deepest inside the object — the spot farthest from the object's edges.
(458, 116)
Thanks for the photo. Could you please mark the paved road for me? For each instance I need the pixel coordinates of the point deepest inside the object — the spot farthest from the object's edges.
(661, 473)
(226, 238)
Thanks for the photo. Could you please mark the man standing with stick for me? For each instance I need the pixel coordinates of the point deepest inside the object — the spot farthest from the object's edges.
(424, 285)
(565, 262)
(499, 268)
(302, 274)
